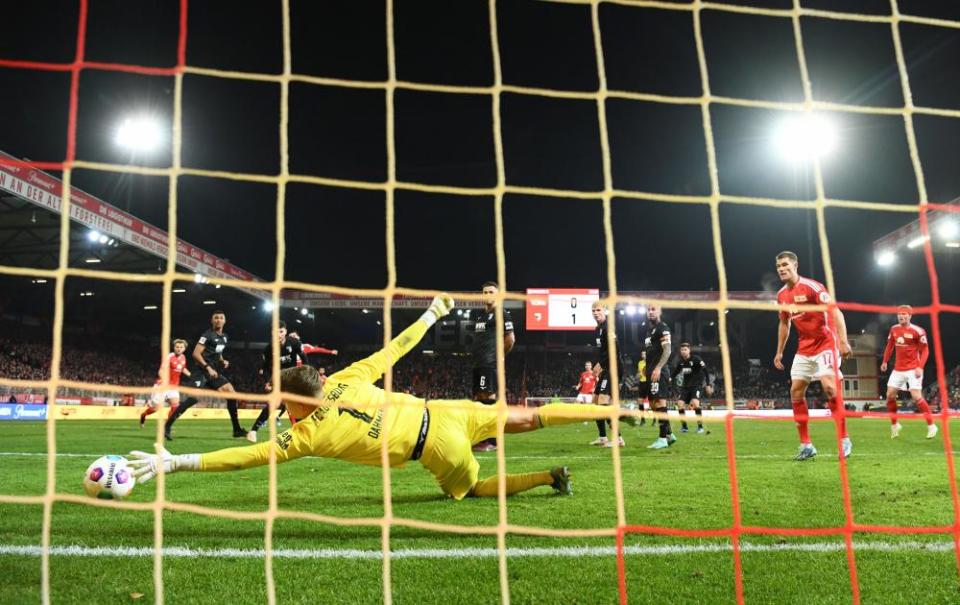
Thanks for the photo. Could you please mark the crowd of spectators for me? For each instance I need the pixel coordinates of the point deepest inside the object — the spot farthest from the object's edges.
(932, 392)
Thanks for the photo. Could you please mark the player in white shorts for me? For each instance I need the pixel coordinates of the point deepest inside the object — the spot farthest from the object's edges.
(910, 343)
(588, 381)
(821, 343)
(177, 363)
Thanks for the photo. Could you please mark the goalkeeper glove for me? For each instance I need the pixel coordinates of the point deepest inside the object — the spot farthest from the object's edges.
(439, 307)
(146, 466)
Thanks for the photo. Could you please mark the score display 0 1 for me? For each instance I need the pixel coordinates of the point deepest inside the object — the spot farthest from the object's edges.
(561, 308)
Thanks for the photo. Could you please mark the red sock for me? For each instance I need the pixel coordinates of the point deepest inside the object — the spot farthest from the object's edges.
(925, 408)
(892, 408)
(147, 412)
(801, 415)
(836, 408)
(173, 408)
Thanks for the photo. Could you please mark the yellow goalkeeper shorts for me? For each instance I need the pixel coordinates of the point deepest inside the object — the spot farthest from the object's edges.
(454, 427)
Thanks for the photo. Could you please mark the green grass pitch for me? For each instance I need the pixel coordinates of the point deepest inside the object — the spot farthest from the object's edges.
(893, 482)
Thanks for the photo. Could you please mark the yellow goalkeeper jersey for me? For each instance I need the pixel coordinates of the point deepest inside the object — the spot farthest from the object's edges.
(642, 371)
(350, 426)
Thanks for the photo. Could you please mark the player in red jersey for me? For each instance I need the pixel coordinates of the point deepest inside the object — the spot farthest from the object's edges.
(910, 341)
(178, 365)
(820, 347)
(588, 380)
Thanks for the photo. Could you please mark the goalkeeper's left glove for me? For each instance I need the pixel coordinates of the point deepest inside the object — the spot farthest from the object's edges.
(441, 305)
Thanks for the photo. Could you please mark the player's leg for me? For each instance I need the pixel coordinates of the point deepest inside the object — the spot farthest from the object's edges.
(485, 392)
(924, 408)
(892, 392)
(156, 399)
(173, 400)
(602, 397)
(666, 437)
(224, 386)
(682, 409)
(258, 423)
(828, 381)
(455, 425)
(802, 371)
(196, 383)
(697, 411)
(150, 409)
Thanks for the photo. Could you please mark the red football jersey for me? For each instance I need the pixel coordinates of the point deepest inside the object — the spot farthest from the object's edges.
(910, 341)
(813, 328)
(587, 383)
(177, 363)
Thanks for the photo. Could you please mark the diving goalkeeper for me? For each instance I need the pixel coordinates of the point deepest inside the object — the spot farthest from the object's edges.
(348, 424)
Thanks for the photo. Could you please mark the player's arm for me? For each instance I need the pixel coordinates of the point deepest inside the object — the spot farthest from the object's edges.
(841, 323)
(509, 338)
(924, 353)
(664, 356)
(370, 370)
(887, 351)
(783, 332)
(198, 357)
(289, 445)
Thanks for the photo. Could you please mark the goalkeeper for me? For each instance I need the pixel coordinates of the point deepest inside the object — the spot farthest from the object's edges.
(349, 424)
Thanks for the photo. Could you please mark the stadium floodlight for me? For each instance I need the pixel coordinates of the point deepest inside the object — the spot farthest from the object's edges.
(803, 137)
(150, 307)
(949, 229)
(917, 241)
(631, 309)
(140, 133)
(268, 306)
(209, 302)
(179, 290)
(459, 311)
(886, 258)
(93, 236)
(91, 260)
(304, 311)
(365, 311)
(103, 239)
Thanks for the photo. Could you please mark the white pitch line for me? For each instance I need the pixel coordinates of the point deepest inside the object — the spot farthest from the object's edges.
(785, 456)
(462, 553)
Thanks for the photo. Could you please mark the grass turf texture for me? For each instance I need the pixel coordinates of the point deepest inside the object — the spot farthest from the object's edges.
(893, 482)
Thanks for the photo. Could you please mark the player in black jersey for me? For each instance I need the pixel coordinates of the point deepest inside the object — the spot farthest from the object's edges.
(485, 354)
(290, 350)
(657, 346)
(210, 364)
(601, 366)
(692, 378)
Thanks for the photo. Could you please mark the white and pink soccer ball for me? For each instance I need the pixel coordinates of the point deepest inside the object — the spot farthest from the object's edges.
(109, 478)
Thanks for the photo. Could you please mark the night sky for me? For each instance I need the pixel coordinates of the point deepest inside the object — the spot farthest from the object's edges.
(336, 236)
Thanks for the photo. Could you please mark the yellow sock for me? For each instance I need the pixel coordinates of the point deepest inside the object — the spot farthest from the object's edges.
(515, 484)
(556, 414)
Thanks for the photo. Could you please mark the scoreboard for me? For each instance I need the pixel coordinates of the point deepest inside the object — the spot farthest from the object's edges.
(560, 308)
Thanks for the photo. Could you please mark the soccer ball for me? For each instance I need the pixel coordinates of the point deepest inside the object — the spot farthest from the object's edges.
(108, 478)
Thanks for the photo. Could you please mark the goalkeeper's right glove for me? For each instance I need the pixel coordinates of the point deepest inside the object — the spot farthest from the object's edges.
(146, 466)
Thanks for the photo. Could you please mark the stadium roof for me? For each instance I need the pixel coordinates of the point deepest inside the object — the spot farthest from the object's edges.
(944, 233)
(100, 233)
